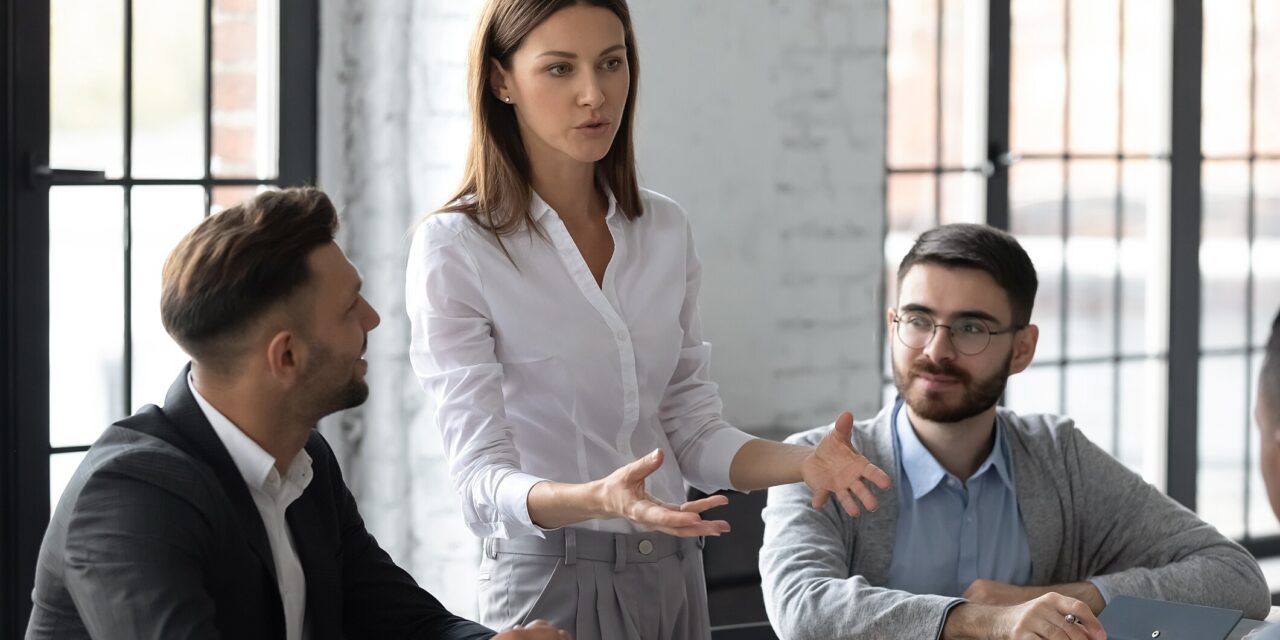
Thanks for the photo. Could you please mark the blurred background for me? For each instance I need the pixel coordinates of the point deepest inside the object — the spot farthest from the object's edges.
(1133, 146)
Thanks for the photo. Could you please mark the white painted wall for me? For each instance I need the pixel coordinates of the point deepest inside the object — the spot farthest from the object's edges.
(765, 119)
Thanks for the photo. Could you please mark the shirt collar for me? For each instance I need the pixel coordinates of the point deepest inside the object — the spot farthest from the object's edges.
(539, 207)
(925, 472)
(256, 466)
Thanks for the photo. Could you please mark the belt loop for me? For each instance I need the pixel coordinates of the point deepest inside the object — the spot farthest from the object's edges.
(570, 546)
(619, 552)
(702, 542)
(491, 548)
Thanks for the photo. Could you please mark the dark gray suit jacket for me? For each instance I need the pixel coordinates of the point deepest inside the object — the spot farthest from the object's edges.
(157, 536)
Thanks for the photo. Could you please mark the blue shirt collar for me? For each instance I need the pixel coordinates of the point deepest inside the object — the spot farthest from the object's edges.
(923, 470)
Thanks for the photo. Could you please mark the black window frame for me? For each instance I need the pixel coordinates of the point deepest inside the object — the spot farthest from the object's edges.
(1185, 158)
(24, 239)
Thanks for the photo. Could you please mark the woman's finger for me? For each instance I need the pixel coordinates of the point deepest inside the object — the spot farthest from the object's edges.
(864, 495)
(710, 502)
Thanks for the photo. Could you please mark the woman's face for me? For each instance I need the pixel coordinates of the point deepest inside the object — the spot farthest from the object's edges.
(568, 84)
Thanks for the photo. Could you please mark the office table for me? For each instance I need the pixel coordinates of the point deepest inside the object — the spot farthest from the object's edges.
(762, 631)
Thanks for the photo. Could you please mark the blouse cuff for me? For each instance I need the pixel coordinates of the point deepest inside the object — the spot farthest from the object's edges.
(513, 500)
(716, 457)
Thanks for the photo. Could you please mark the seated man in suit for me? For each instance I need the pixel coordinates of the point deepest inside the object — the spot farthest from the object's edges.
(1000, 525)
(224, 513)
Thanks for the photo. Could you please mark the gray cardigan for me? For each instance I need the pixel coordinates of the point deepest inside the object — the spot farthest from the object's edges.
(1087, 516)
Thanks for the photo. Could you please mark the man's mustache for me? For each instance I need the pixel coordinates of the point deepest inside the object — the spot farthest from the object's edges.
(929, 367)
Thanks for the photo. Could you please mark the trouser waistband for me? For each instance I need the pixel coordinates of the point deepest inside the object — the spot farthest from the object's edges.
(573, 544)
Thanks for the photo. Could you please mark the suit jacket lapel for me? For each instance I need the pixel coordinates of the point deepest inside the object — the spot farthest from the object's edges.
(200, 441)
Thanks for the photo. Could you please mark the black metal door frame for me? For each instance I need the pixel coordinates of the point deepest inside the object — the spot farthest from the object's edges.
(24, 259)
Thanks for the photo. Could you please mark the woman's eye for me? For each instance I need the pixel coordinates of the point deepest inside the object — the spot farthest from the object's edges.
(612, 65)
(558, 69)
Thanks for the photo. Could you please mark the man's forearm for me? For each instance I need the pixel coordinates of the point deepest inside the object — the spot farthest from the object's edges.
(970, 622)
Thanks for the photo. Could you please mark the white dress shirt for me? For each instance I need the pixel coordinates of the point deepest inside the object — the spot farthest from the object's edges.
(541, 374)
(272, 494)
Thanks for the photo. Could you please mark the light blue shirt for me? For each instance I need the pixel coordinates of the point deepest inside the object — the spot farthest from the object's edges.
(950, 532)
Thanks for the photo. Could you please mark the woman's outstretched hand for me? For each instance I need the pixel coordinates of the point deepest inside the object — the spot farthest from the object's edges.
(837, 469)
(622, 495)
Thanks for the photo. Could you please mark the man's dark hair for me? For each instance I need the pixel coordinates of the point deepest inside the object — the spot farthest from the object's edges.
(236, 264)
(1269, 376)
(976, 246)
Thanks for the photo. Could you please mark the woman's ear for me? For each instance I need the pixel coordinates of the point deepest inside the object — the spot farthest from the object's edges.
(498, 81)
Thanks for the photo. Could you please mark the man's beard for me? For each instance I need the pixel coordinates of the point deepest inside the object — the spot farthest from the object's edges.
(931, 405)
(332, 387)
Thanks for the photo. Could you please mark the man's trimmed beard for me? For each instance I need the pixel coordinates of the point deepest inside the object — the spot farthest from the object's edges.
(930, 405)
(333, 388)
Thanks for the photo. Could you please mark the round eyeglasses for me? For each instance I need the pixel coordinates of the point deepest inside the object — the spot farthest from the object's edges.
(969, 336)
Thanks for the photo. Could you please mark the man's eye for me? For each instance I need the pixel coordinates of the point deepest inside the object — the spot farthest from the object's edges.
(971, 328)
(919, 322)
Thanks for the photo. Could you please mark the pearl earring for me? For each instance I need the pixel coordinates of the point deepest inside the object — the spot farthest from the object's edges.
(507, 99)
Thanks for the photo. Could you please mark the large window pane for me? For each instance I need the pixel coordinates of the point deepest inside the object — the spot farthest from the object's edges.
(964, 197)
(1266, 249)
(1035, 390)
(245, 88)
(1038, 76)
(86, 312)
(1035, 215)
(86, 85)
(1143, 305)
(1091, 402)
(1224, 254)
(913, 78)
(910, 200)
(1143, 399)
(1223, 417)
(1147, 47)
(61, 467)
(1095, 76)
(964, 87)
(168, 89)
(1267, 136)
(161, 217)
(1227, 66)
(1091, 259)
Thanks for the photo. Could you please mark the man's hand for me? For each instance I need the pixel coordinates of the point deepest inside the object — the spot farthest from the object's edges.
(1002, 594)
(1044, 618)
(536, 630)
(622, 494)
(835, 468)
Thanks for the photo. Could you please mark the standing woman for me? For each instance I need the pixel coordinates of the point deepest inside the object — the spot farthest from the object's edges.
(554, 312)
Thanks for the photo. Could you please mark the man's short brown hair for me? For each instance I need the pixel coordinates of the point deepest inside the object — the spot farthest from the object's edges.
(236, 264)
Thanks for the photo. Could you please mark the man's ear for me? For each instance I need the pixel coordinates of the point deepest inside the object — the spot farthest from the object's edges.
(498, 81)
(1024, 348)
(285, 357)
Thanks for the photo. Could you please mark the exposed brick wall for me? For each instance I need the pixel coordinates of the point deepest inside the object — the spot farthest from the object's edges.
(235, 93)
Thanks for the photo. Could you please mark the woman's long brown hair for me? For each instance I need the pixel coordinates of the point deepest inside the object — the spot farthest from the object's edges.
(495, 189)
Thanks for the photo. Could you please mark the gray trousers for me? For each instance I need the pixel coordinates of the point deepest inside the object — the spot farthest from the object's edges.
(597, 586)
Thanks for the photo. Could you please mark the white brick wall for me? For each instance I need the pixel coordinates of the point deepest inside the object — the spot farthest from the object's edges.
(765, 119)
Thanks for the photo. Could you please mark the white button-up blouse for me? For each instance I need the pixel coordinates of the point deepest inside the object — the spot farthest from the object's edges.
(540, 374)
